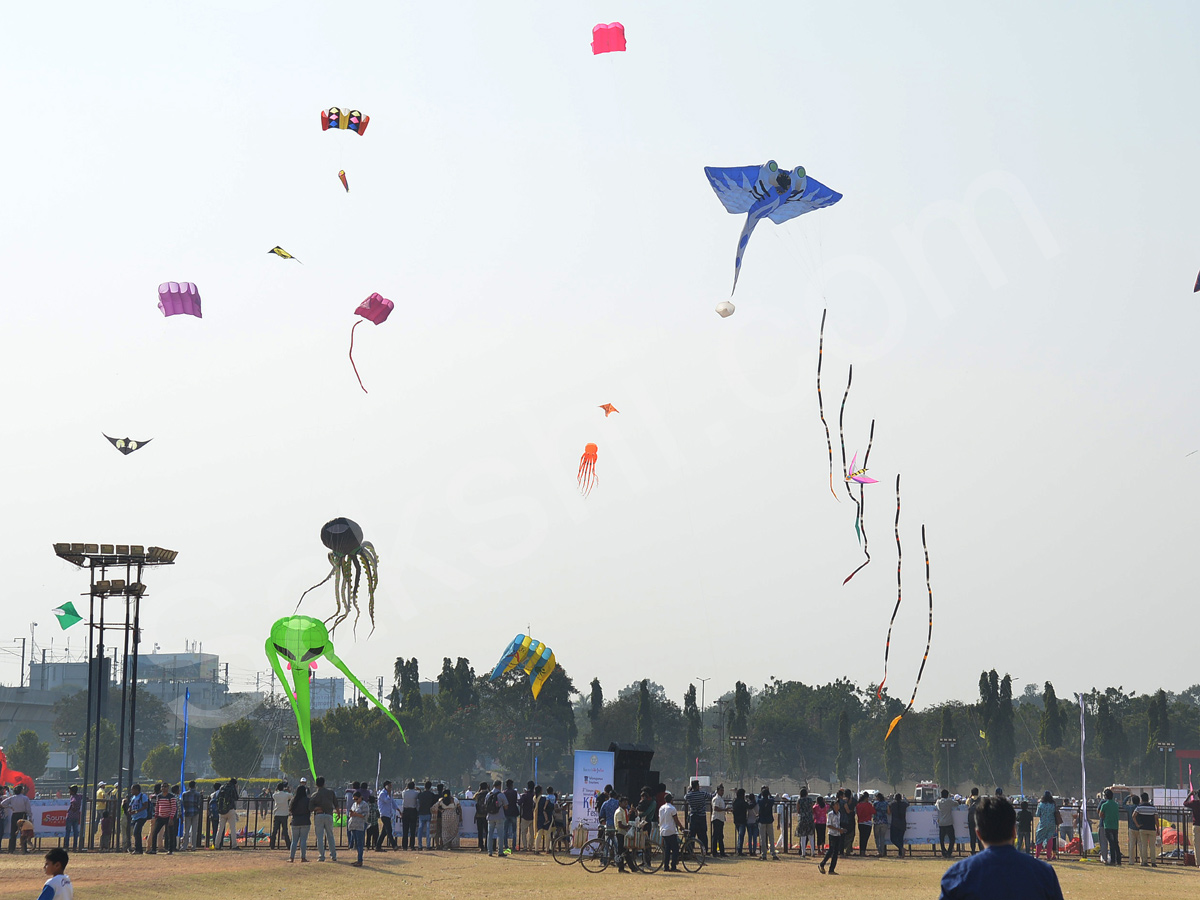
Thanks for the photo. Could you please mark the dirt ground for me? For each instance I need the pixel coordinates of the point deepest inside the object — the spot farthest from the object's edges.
(469, 875)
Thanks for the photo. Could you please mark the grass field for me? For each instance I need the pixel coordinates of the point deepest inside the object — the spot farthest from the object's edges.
(468, 875)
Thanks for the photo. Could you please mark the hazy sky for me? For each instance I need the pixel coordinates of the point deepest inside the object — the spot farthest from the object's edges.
(1010, 273)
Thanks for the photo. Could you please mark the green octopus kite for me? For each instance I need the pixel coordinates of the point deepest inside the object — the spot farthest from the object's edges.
(302, 640)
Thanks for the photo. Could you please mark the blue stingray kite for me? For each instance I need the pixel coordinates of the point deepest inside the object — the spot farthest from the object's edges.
(767, 192)
(533, 656)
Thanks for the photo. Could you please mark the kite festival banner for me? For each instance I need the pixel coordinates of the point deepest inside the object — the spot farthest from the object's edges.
(593, 770)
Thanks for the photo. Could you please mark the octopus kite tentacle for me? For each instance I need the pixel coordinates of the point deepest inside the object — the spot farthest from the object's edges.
(842, 427)
(332, 571)
(860, 521)
(352, 365)
(928, 641)
(887, 646)
(821, 405)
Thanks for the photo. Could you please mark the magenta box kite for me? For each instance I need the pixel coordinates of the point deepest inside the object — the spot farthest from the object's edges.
(179, 297)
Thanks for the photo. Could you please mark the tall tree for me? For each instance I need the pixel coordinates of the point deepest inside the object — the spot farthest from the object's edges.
(1005, 746)
(739, 724)
(845, 750)
(691, 713)
(595, 703)
(163, 763)
(1050, 734)
(645, 714)
(941, 770)
(235, 750)
(1107, 744)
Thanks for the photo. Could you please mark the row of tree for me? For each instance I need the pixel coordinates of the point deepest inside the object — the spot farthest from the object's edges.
(472, 726)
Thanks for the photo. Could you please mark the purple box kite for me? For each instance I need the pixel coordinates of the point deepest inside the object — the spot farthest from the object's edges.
(179, 297)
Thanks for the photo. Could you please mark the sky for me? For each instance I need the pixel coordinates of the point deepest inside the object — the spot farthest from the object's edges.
(1009, 273)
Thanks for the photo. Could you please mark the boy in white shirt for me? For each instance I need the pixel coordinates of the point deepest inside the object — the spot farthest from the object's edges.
(668, 829)
(58, 883)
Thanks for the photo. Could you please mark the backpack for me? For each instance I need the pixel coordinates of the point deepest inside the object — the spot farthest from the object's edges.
(492, 805)
(224, 802)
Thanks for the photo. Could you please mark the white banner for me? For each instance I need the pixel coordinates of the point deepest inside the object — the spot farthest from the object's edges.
(921, 825)
(593, 770)
(49, 817)
(468, 830)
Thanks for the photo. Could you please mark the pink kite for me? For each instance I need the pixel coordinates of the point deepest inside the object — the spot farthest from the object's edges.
(859, 475)
(607, 38)
(179, 297)
(374, 309)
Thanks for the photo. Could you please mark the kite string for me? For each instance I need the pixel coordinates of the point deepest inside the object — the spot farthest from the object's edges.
(887, 646)
(356, 375)
(821, 404)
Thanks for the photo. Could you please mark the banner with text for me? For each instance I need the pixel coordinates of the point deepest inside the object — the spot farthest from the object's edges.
(593, 770)
(49, 817)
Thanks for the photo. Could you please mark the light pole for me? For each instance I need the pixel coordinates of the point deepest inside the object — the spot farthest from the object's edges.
(738, 742)
(21, 683)
(533, 742)
(1165, 747)
(948, 744)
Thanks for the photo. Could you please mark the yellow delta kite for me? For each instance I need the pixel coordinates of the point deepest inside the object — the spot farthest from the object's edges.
(534, 657)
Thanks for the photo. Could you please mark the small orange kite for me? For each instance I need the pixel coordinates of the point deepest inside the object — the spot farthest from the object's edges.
(587, 469)
(608, 408)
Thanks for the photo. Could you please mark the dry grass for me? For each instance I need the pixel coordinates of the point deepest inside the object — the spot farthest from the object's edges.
(468, 875)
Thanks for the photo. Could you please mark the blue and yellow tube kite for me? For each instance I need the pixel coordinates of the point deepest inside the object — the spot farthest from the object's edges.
(534, 657)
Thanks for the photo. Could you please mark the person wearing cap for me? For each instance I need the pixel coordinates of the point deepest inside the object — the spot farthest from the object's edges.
(1000, 871)
(972, 804)
(281, 800)
(696, 801)
(669, 827)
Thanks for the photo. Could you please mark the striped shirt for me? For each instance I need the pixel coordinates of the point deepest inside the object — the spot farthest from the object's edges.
(165, 807)
(697, 802)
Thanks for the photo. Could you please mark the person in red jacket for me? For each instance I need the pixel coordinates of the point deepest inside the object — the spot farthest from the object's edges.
(165, 810)
(865, 813)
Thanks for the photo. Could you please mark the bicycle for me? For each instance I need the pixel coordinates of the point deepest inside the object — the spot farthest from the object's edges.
(598, 854)
(560, 848)
(692, 855)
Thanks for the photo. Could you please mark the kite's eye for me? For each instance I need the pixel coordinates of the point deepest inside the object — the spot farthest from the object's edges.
(799, 173)
(284, 652)
(120, 445)
(312, 654)
(772, 166)
(133, 445)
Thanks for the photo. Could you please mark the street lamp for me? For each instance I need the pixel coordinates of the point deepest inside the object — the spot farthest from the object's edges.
(948, 744)
(533, 742)
(738, 743)
(1165, 747)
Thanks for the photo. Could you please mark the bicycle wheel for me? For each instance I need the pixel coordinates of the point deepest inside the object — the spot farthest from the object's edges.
(692, 856)
(650, 858)
(594, 856)
(560, 849)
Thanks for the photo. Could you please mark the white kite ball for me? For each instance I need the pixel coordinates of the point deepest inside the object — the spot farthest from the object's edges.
(725, 309)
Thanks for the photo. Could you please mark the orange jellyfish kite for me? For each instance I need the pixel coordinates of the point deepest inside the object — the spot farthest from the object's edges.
(587, 469)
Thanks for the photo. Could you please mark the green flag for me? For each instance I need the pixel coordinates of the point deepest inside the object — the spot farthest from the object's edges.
(67, 616)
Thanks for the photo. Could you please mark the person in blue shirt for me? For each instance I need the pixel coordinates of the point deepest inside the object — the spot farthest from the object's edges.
(139, 812)
(1000, 871)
